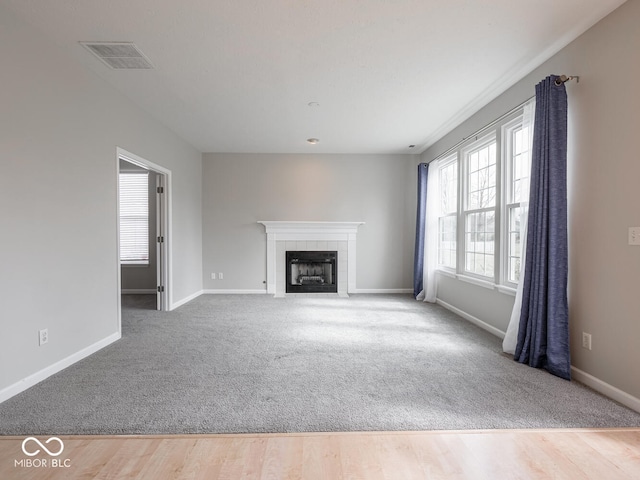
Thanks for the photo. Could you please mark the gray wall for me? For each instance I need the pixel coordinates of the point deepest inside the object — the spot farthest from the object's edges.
(240, 189)
(604, 170)
(59, 130)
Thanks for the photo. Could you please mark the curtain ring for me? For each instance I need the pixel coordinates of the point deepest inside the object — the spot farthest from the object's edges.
(560, 80)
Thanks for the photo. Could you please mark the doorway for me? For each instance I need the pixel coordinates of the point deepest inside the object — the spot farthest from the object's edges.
(143, 226)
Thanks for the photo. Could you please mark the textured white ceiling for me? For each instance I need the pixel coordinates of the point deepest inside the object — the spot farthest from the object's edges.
(237, 75)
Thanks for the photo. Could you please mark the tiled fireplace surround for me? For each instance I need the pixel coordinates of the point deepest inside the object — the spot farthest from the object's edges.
(308, 236)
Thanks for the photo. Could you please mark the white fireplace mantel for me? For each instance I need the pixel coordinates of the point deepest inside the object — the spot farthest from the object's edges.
(284, 231)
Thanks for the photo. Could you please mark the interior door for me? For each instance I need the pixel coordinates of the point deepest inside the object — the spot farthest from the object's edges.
(161, 302)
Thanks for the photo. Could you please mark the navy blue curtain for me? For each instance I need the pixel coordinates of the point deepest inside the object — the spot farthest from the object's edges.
(418, 257)
(543, 337)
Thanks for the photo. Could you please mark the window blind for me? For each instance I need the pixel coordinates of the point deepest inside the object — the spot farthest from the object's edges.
(134, 217)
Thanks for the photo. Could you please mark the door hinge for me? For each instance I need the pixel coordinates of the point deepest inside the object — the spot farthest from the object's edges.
(160, 288)
(160, 189)
(160, 239)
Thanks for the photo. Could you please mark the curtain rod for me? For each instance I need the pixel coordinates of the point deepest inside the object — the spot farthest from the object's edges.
(559, 81)
(486, 127)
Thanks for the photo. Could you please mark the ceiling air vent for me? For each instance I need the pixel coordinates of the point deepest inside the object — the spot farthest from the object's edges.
(119, 55)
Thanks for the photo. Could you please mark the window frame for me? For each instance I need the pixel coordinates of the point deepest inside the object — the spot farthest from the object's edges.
(508, 128)
(447, 162)
(500, 132)
(474, 145)
(135, 262)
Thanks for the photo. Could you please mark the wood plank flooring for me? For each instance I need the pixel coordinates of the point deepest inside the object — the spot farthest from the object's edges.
(607, 454)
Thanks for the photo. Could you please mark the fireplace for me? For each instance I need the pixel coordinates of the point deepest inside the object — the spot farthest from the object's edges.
(311, 272)
(284, 236)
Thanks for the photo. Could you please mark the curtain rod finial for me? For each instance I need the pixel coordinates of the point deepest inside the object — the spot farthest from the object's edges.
(563, 79)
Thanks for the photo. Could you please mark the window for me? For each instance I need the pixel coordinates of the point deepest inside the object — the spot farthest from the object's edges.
(483, 190)
(480, 208)
(447, 220)
(134, 218)
(518, 159)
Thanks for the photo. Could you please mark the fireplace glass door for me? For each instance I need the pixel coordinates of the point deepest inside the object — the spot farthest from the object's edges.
(311, 272)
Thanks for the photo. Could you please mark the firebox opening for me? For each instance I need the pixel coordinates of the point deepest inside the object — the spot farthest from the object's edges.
(311, 272)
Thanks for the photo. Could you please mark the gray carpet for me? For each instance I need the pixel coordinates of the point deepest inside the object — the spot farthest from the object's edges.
(258, 364)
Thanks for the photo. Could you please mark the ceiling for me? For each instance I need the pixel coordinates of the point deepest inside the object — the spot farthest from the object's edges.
(238, 75)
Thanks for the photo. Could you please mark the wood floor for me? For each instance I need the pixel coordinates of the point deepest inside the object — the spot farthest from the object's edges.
(605, 454)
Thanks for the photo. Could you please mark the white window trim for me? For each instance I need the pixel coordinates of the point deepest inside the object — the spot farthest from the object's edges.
(496, 131)
(476, 144)
(507, 128)
(136, 261)
(447, 162)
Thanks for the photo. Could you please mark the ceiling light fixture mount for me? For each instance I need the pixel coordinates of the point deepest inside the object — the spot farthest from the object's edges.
(312, 141)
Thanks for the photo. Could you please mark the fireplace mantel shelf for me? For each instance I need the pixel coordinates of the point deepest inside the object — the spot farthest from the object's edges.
(309, 227)
(284, 231)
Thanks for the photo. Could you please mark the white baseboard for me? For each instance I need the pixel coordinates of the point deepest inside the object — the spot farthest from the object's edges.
(138, 291)
(607, 390)
(476, 321)
(223, 291)
(383, 290)
(576, 374)
(179, 303)
(45, 373)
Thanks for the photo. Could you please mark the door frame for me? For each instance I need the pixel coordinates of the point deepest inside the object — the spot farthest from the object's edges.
(163, 207)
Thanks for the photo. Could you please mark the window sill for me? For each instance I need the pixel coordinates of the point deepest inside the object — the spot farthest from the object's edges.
(506, 290)
(447, 273)
(478, 282)
(135, 265)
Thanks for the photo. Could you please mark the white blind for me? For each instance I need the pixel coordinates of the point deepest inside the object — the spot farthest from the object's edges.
(134, 217)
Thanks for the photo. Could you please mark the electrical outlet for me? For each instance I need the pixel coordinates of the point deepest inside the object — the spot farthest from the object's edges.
(213, 276)
(586, 340)
(220, 275)
(634, 235)
(43, 336)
